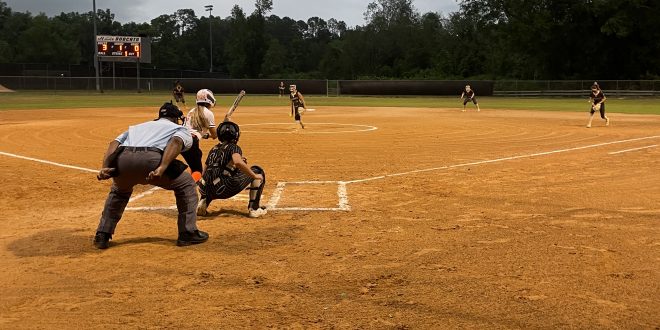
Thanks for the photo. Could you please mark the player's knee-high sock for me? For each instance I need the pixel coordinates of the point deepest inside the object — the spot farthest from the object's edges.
(591, 118)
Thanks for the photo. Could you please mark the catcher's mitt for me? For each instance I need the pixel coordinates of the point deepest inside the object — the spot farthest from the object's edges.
(596, 107)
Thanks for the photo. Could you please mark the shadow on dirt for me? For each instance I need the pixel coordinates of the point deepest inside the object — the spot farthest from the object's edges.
(53, 243)
(75, 243)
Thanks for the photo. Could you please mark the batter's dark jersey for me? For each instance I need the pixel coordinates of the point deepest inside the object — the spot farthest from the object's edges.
(219, 180)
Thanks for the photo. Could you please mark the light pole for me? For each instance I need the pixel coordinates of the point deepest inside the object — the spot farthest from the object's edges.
(96, 55)
(209, 8)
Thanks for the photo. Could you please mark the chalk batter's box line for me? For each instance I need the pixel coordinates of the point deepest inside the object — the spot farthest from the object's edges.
(342, 195)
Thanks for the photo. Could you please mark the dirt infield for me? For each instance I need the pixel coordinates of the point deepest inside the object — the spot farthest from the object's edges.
(384, 218)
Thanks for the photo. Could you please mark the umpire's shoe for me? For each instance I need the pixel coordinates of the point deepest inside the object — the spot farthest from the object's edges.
(102, 240)
(190, 238)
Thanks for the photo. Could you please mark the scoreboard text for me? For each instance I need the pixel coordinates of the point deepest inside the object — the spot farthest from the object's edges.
(123, 48)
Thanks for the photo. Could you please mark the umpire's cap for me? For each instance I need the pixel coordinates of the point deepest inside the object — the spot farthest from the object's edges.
(169, 110)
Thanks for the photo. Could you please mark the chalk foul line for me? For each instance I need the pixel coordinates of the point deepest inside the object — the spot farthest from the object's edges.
(633, 149)
(49, 162)
(545, 153)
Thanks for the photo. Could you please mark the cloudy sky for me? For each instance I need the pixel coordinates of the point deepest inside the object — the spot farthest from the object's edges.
(349, 11)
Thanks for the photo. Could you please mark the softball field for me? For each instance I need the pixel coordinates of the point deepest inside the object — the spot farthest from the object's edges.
(379, 218)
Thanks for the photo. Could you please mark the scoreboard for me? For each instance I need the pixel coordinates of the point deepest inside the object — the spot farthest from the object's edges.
(123, 49)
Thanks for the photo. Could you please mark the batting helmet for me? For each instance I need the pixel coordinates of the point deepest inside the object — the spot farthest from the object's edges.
(228, 131)
(205, 96)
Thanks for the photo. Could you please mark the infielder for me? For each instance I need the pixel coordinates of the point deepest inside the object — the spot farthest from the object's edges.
(597, 100)
(177, 93)
(201, 123)
(467, 96)
(297, 102)
(227, 173)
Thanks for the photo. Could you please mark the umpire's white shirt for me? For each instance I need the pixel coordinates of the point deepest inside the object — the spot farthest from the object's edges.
(155, 134)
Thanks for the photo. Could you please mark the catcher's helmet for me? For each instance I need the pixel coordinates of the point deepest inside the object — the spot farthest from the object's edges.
(228, 131)
(205, 96)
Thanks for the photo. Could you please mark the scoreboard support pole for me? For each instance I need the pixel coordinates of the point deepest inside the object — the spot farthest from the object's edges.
(138, 76)
(114, 86)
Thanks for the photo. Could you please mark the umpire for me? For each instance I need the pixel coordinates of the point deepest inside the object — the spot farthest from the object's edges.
(145, 154)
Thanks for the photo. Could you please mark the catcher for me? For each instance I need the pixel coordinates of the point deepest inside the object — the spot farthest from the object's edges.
(297, 102)
(177, 93)
(467, 96)
(597, 100)
(227, 173)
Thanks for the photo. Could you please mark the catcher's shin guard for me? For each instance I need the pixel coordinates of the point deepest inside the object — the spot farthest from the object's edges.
(256, 188)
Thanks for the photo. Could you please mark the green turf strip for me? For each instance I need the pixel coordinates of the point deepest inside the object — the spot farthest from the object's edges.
(88, 99)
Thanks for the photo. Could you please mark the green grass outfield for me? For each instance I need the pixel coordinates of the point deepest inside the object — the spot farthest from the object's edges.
(25, 100)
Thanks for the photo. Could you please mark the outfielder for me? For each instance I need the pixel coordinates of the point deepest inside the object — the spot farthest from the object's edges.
(227, 173)
(297, 102)
(201, 123)
(467, 96)
(597, 100)
(177, 92)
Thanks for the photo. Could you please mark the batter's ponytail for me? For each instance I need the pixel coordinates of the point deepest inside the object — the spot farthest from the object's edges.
(197, 119)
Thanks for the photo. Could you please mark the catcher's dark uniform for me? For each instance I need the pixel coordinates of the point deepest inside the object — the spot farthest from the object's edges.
(597, 97)
(221, 181)
(296, 102)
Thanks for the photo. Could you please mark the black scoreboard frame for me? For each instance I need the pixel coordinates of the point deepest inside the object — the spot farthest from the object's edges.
(123, 49)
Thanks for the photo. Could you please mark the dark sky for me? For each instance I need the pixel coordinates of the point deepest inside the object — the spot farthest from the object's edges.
(349, 11)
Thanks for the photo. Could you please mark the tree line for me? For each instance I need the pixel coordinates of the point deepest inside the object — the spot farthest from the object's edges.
(484, 39)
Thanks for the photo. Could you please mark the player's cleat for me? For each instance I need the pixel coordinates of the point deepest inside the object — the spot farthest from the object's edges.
(607, 122)
(190, 238)
(102, 240)
(588, 125)
(201, 208)
(257, 213)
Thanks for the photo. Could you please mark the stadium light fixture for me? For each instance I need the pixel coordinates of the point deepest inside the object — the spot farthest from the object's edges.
(209, 8)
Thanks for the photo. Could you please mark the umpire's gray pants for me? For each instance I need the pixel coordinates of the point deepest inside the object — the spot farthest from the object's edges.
(134, 167)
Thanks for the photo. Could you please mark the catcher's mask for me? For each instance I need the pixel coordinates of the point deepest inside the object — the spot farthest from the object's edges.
(228, 131)
(169, 110)
(205, 96)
